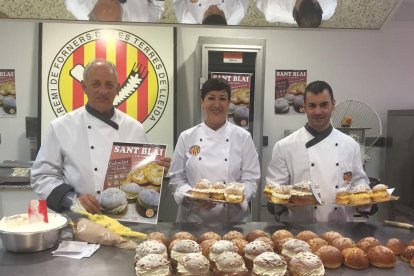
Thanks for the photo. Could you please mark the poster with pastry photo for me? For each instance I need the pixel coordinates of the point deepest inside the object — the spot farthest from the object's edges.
(7, 93)
(133, 182)
(239, 108)
(289, 90)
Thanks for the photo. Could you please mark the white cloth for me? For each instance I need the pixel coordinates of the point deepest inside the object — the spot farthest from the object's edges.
(192, 11)
(325, 164)
(76, 151)
(227, 154)
(132, 10)
(282, 10)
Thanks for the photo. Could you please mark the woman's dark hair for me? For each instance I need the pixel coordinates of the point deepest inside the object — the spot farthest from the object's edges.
(308, 14)
(215, 84)
(215, 19)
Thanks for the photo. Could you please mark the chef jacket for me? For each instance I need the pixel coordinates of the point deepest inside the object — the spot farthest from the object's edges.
(132, 10)
(282, 10)
(192, 11)
(324, 164)
(76, 151)
(227, 154)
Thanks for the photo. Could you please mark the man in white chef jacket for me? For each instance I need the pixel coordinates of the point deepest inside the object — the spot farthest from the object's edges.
(305, 13)
(218, 151)
(73, 159)
(198, 11)
(319, 153)
(116, 10)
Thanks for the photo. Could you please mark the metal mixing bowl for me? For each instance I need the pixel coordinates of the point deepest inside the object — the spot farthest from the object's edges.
(32, 241)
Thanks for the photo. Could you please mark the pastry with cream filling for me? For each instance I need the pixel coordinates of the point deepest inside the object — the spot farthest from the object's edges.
(379, 193)
(306, 263)
(234, 192)
(269, 263)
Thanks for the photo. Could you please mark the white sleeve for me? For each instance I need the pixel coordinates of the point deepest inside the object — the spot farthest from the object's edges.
(155, 10)
(277, 169)
(236, 12)
(80, 8)
(178, 178)
(183, 12)
(47, 170)
(250, 170)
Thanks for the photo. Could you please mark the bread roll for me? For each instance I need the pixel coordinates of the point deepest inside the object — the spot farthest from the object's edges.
(408, 253)
(396, 245)
(152, 264)
(268, 241)
(251, 236)
(281, 234)
(355, 257)
(254, 249)
(231, 235)
(230, 263)
(158, 236)
(292, 247)
(381, 256)
(342, 243)
(306, 263)
(183, 236)
(306, 235)
(331, 257)
(206, 247)
(368, 243)
(269, 263)
(316, 243)
(240, 244)
(193, 264)
(209, 236)
(330, 236)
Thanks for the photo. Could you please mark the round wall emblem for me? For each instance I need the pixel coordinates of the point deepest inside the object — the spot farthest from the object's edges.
(142, 74)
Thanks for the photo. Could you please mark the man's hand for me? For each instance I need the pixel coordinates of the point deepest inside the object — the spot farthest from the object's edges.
(200, 203)
(165, 162)
(90, 203)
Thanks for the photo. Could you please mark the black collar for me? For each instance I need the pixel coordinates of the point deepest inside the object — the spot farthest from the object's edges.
(104, 117)
(318, 136)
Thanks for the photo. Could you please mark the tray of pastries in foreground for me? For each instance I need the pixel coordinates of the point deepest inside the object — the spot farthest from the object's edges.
(217, 192)
(362, 194)
(303, 193)
(260, 253)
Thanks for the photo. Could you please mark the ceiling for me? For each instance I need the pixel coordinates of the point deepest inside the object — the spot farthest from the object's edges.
(349, 14)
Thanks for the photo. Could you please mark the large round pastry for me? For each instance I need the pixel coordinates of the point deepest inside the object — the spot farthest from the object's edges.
(381, 256)
(254, 249)
(183, 235)
(210, 235)
(206, 246)
(367, 243)
(193, 264)
(147, 203)
(396, 245)
(301, 193)
(316, 243)
(355, 257)
(408, 253)
(269, 263)
(252, 235)
(113, 201)
(219, 247)
(150, 247)
(306, 235)
(292, 247)
(281, 234)
(360, 195)
(230, 263)
(158, 236)
(152, 264)
(342, 243)
(306, 263)
(233, 234)
(182, 248)
(379, 193)
(331, 257)
(330, 236)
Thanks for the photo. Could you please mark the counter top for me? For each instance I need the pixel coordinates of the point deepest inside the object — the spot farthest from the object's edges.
(110, 261)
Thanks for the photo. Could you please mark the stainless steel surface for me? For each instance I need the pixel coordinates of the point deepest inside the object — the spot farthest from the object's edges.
(31, 242)
(110, 261)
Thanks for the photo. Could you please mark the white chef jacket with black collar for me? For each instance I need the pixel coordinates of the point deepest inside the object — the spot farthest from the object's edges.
(227, 154)
(282, 10)
(325, 164)
(192, 11)
(132, 10)
(76, 151)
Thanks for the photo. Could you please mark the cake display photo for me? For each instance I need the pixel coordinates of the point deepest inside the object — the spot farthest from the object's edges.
(8, 107)
(239, 109)
(132, 186)
(289, 90)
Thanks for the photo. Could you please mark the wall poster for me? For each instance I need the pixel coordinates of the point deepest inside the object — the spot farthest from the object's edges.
(239, 109)
(7, 93)
(289, 89)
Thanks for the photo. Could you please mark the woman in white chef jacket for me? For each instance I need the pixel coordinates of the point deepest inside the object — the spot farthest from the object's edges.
(319, 153)
(215, 150)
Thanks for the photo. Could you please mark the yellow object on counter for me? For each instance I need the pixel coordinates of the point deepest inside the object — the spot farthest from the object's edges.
(114, 226)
